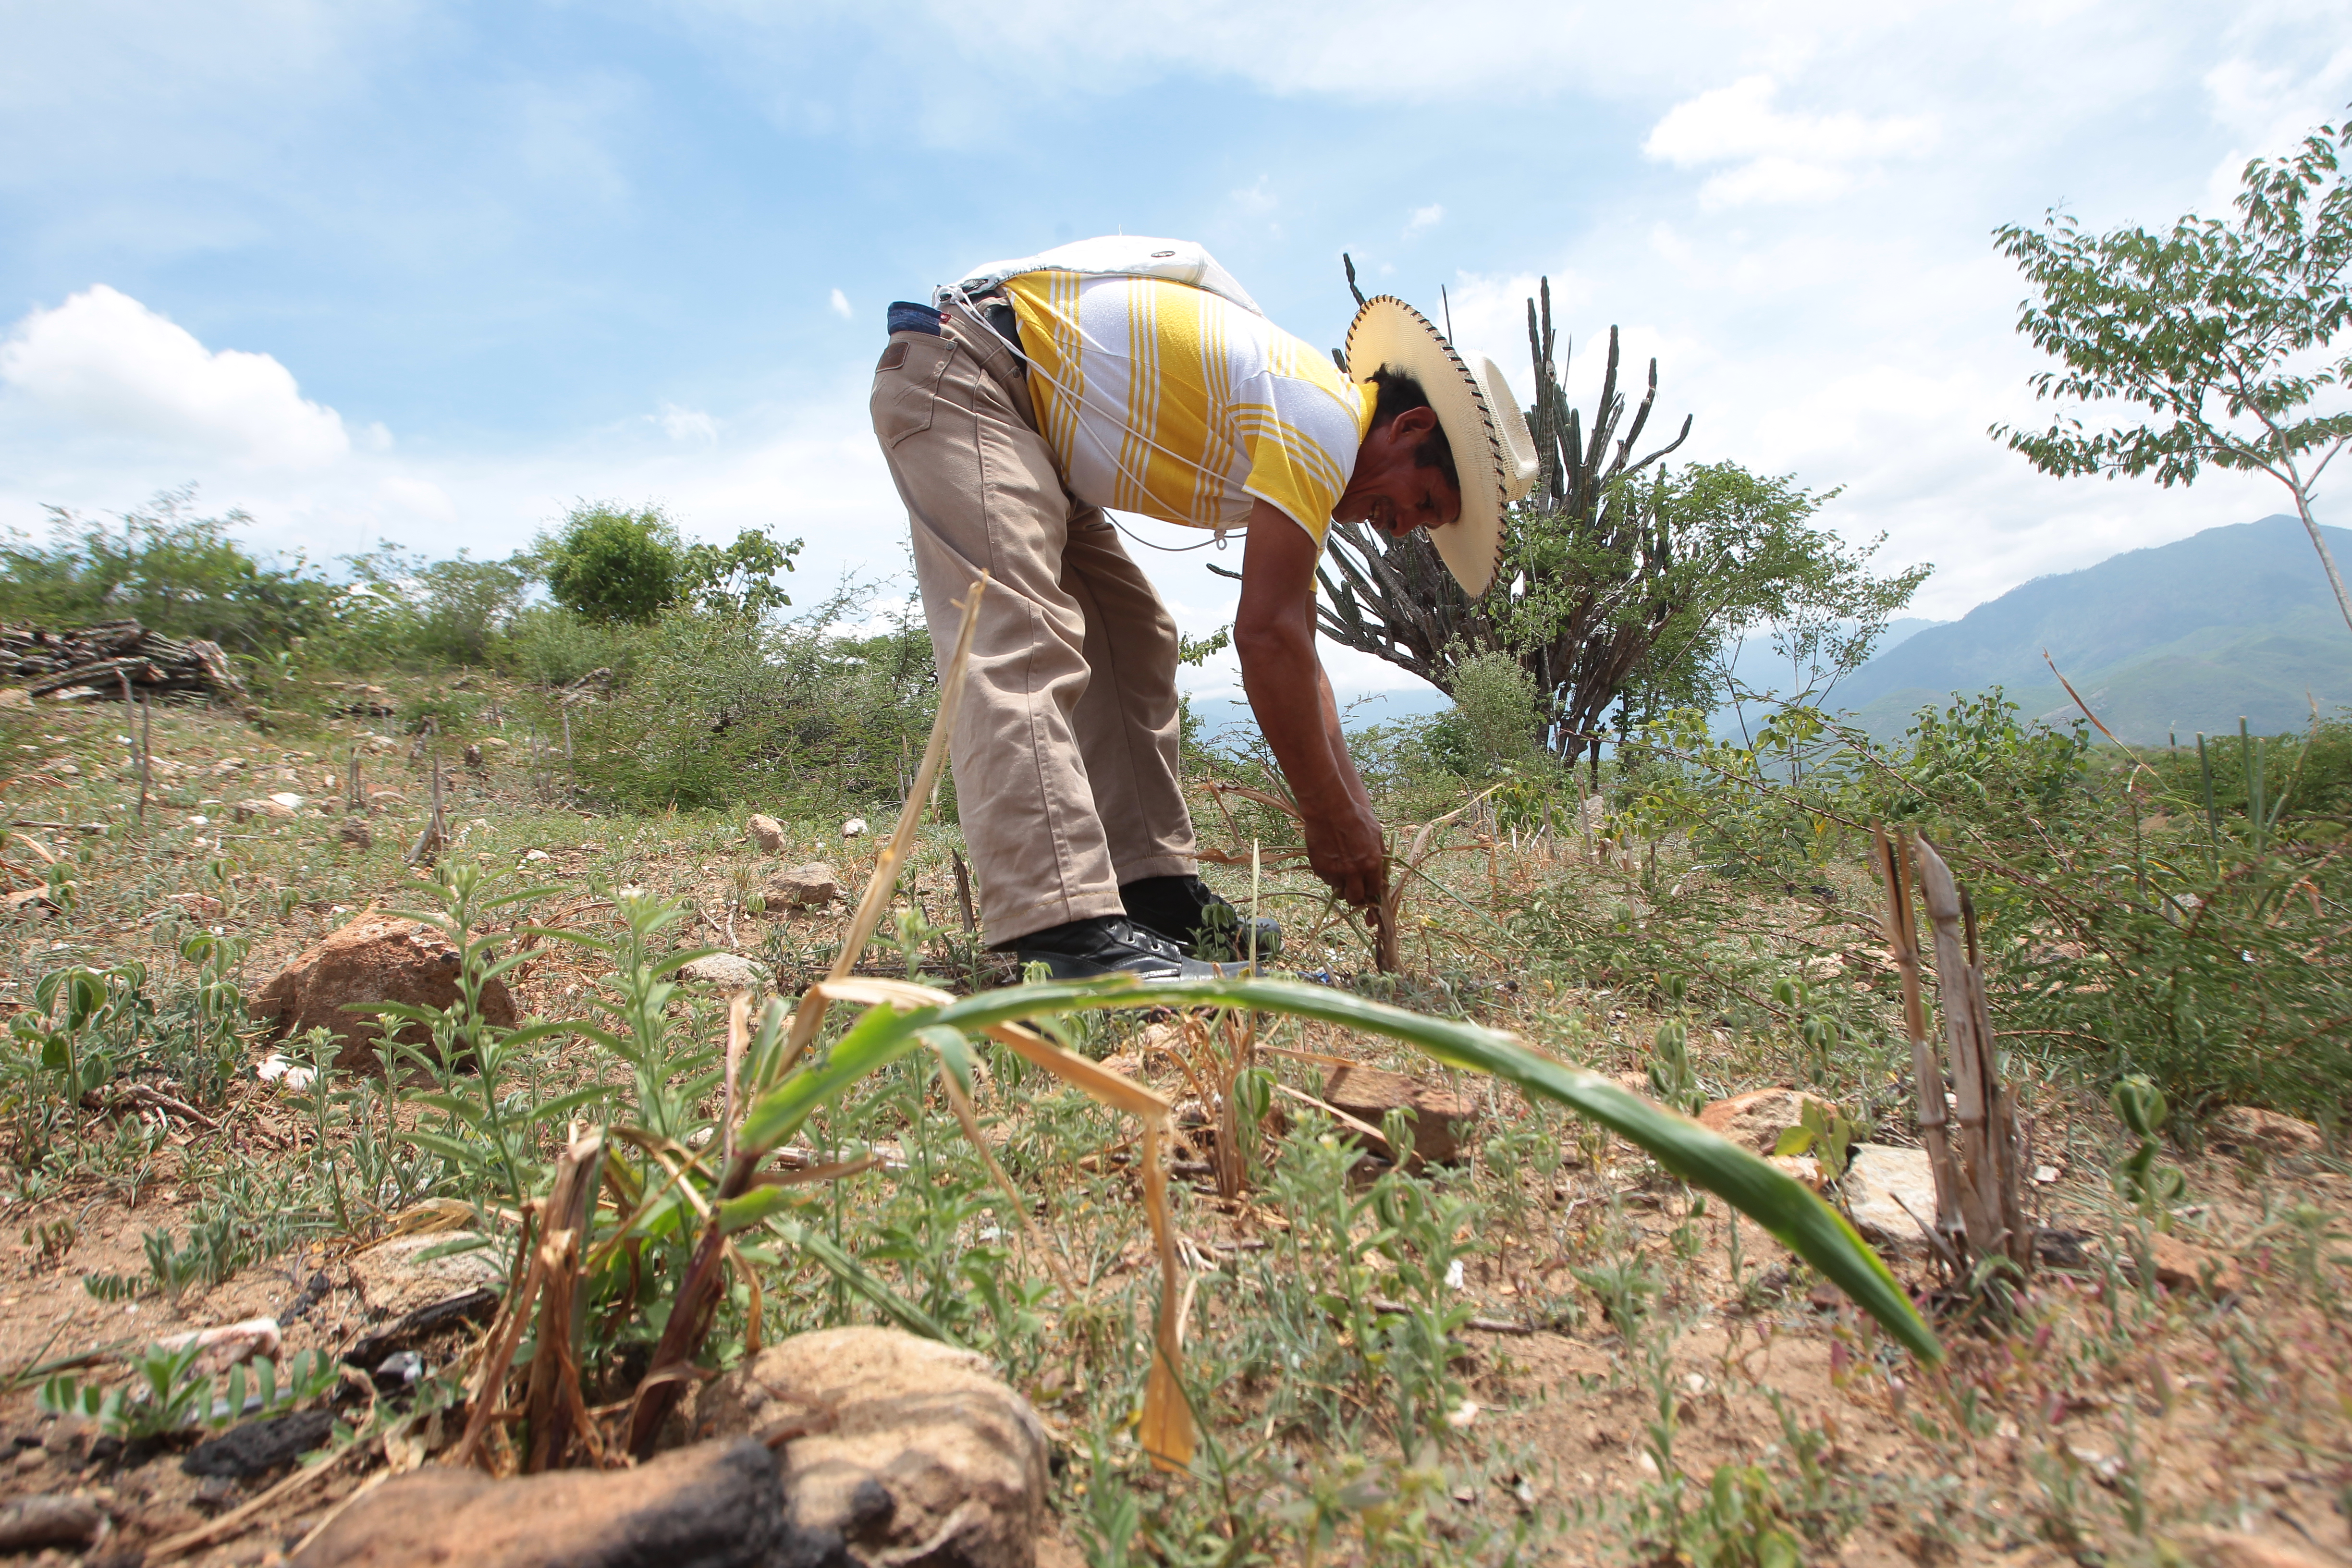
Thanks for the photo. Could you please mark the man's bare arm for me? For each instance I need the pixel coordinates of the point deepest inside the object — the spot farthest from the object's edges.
(1274, 632)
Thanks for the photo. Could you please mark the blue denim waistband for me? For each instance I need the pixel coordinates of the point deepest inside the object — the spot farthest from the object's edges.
(905, 316)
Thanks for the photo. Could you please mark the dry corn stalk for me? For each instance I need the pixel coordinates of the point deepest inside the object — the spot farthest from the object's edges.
(1980, 1212)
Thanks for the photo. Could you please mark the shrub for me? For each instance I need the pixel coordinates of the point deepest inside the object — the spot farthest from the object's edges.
(612, 564)
(169, 569)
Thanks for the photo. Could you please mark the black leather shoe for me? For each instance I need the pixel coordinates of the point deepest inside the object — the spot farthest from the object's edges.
(1105, 944)
(1182, 911)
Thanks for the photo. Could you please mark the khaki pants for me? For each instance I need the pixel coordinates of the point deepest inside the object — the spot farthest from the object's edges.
(1065, 746)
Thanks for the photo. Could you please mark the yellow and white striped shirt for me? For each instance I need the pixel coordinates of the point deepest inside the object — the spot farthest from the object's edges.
(1169, 401)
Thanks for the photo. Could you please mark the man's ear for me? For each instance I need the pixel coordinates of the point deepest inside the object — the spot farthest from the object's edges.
(1415, 424)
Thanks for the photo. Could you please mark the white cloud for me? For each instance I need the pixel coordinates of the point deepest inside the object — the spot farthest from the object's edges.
(1257, 197)
(1779, 156)
(1423, 219)
(691, 426)
(104, 366)
(839, 304)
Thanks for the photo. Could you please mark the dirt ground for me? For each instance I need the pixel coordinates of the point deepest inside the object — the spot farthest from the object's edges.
(2103, 1417)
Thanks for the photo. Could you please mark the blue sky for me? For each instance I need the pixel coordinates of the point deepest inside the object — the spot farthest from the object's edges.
(428, 272)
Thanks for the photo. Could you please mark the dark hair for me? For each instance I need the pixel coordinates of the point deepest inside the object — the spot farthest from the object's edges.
(1398, 391)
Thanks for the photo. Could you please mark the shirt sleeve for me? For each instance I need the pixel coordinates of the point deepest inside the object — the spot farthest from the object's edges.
(1302, 442)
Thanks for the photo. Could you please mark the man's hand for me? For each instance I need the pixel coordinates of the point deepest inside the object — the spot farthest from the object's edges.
(1347, 851)
(1274, 632)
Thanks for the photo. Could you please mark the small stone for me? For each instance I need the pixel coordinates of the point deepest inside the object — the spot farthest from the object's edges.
(854, 829)
(259, 806)
(767, 833)
(44, 1519)
(1439, 1115)
(1757, 1119)
(724, 972)
(355, 834)
(1885, 1187)
(395, 1277)
(807, 886)
(287, 799)
(2247, 1127)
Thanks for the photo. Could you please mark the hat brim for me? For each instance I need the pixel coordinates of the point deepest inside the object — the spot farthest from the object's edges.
(1389, 332)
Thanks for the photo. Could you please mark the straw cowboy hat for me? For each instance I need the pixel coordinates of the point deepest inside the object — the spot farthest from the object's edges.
(1493, 454)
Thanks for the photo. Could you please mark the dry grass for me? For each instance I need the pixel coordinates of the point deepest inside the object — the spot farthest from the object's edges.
(2105, 1419)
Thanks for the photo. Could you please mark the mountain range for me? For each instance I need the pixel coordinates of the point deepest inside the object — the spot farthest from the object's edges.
(2174, 639)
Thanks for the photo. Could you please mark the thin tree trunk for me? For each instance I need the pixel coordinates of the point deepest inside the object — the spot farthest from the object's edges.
(2327, 556)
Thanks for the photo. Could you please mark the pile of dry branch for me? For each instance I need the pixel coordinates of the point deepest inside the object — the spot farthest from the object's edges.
(113, 658)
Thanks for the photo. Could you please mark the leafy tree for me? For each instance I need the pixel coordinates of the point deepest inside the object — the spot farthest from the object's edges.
(741, 578)
(1622, 580)
(169, 569)
(2222, 331)
(612, 564)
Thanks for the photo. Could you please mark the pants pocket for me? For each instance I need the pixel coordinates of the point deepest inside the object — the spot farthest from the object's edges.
(906, 385)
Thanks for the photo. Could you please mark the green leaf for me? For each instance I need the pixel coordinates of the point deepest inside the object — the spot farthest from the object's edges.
(755, 1206)
(1795, 1216)
(852, 1273)
(954, 1051)
(1795, 1140)
(875, 1040)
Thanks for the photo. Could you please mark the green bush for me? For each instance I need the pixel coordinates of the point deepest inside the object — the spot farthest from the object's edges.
(2122, 930)
(609, 564)
(726, 708)
(612, 564)
(168, 569)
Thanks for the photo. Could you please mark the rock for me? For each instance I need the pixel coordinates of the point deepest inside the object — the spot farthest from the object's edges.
(289, 799)
(924, 1455)
(805, 886)
(355, 834)
(767, 833)
(854, 829)
(2228, 1549)
(1439, 1115)
(715, 1505)
(1885, 1187)
(229, 1344)
(2183, 1266)
(44, 1520)
(258, 1448)
(375, 958)
(369, 1350)
(1756, 1119)
(395, 1277)
(724, 972)
(1802, 1168)
(2244, 1127)
(246, 810)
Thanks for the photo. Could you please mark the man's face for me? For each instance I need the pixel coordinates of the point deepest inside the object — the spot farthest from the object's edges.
(1389, 490)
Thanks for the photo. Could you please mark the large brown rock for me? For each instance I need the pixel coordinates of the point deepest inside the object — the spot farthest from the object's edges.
(1439, 1115)
(375, 958)
(715, 1505)
(923, 1455)
(805, 886)
(1756, 1119)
